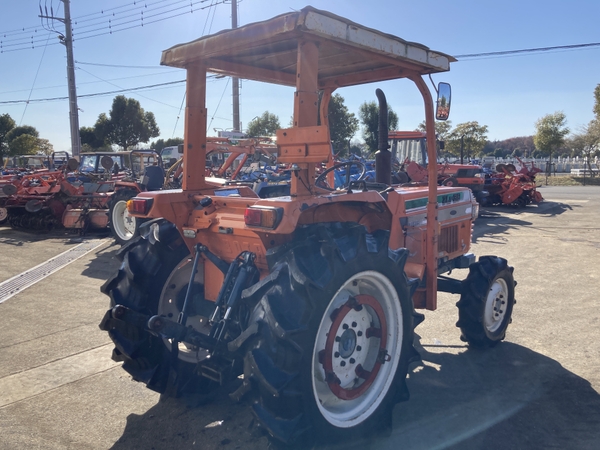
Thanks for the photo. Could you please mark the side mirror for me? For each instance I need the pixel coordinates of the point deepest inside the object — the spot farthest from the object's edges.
(442, 109)
(180, 149)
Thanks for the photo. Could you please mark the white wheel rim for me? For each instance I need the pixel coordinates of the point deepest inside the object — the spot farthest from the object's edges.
(363, 394)
(496, 305)
(3, 214)
(167, 307)
(123, 223)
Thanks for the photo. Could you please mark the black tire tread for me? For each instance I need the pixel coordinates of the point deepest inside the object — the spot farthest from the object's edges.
(288, 305)
(472, 301)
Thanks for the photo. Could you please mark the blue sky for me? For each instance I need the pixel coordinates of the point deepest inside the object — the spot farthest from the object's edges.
(508, 94)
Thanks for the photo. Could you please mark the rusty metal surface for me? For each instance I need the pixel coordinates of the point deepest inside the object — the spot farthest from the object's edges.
(348, 53)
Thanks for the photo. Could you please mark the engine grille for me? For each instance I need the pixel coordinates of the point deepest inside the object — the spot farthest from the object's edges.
(448, 241)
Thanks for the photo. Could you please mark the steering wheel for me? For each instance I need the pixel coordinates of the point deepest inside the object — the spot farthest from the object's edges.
(321, 180)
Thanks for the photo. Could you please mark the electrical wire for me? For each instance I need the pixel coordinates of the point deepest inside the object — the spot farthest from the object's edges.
(120, 87)
(34, 80)
(178, 114)
(97, 94)
(528, 50)
(7, 44)
(212, 78)
(81, 83)
(218, 104)
(121, 66)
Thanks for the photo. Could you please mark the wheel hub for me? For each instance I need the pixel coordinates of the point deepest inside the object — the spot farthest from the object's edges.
(347, 343)
(495, 308)
(356, 338)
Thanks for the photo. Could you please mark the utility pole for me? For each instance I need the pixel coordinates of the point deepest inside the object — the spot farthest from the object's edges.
(235, 81)
(67, 41)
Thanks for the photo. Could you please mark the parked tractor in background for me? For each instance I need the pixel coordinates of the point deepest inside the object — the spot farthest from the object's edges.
(410, 148)
(306, 303)
(145, 172)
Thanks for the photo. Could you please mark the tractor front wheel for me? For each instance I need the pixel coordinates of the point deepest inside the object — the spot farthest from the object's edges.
(486, 303)
(336, 333)
(124, 227)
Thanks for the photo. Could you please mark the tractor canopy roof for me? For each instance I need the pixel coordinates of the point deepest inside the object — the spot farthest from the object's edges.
(349, 53)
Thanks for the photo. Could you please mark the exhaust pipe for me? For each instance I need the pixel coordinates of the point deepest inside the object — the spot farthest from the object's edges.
(383, 157)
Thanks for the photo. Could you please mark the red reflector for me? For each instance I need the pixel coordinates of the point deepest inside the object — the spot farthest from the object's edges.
(138, 205)
(261, 216)
(253, 217)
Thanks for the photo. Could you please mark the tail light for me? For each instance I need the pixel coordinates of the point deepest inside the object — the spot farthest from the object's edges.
(139, 206)
(263, 216)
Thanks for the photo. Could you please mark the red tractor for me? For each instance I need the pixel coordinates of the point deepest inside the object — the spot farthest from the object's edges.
(307, 302)
(411, 148)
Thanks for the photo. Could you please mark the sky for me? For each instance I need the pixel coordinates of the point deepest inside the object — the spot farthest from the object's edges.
(508, 93)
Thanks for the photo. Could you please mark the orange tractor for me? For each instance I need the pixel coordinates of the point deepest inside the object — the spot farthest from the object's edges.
(305, 303)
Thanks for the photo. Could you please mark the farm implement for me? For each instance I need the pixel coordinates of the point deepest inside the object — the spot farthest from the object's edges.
(509, 186)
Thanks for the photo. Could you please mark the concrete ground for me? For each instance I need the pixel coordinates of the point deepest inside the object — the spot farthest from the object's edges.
(538, 389)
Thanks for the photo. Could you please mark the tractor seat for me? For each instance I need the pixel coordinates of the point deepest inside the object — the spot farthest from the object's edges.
(154, 178)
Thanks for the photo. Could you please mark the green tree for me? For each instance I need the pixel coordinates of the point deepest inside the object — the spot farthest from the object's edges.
(442, 129)
(265, 125)
(550, 133)
(24, 144)
(90, 140)
(127, 124)
(597, 102)
(161, 143)
(587, 142)
(19, 131)
(470, 136)
(6, 125)
(44, 146)
(368, 114)
(343, 125)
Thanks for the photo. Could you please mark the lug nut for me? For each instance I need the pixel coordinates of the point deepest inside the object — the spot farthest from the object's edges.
(354, 324)
(345, 326)
(336, 354)
(352, 360)
(343, 363)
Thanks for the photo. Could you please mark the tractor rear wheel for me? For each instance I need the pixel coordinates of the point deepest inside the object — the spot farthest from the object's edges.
(153, 280)
(3, 215)
(336, 335)
(123, 226)
(450, 182)
(486, 303)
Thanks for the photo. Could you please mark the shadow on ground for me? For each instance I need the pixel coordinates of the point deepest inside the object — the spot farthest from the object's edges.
(505, 397)
(104, 264)
(496, 221)
(10, 236)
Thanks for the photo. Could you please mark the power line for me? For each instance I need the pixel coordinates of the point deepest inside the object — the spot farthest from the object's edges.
(81, 83)
(146, 15)
(98, 94)
(528, 50)
(120, 87)
(117, 65)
